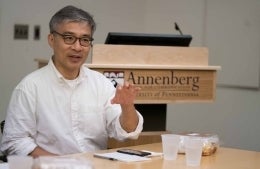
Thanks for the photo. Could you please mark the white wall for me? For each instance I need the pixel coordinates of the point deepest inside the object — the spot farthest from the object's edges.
(190, 16)
(233, 116)
(237, 23)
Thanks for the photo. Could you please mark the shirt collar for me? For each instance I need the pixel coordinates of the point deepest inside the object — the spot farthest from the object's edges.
(81, 77)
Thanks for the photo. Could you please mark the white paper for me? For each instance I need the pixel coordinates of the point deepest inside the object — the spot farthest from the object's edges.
(121, 157)
(4, 166)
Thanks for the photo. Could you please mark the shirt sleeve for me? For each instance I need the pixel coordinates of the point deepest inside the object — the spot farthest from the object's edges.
(19, 124)
(131, 135)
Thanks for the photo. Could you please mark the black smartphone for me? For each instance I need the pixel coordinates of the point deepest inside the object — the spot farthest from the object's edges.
(134, 152)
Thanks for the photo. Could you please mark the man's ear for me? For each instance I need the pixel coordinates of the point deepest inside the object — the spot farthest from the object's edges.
(50, 39)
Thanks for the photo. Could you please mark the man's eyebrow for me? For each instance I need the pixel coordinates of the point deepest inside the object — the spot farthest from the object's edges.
(71, 33)
(86, 35)
(68, 33)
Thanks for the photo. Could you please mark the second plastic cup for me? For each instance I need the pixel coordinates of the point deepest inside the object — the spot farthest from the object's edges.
(193, 151)
(170, 145)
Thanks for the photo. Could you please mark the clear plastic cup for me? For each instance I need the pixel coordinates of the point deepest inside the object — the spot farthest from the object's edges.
(193, 151)
(170, 145)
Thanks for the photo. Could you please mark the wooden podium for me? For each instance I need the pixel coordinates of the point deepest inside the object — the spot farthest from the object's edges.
(164, 74)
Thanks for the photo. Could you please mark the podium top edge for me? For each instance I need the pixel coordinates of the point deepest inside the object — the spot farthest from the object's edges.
(142, 46)
(140, 66)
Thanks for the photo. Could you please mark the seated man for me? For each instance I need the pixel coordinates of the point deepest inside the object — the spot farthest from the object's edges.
(65, 107)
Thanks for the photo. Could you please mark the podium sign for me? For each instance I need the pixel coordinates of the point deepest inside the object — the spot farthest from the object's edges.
(166, 85)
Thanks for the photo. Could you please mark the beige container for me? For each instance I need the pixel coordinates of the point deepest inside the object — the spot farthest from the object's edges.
(210, 142)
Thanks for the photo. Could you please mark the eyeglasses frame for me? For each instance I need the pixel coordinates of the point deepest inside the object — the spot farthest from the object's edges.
(76, 38)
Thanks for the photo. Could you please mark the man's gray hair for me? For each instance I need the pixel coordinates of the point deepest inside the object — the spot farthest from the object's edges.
(73, 14)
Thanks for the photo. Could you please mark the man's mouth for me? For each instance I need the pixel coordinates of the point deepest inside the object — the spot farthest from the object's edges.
(75, 57)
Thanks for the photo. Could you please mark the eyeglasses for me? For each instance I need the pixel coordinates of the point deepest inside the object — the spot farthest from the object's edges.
(70, 39)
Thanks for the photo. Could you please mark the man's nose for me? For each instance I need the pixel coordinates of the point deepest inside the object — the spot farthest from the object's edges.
(77, 45)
